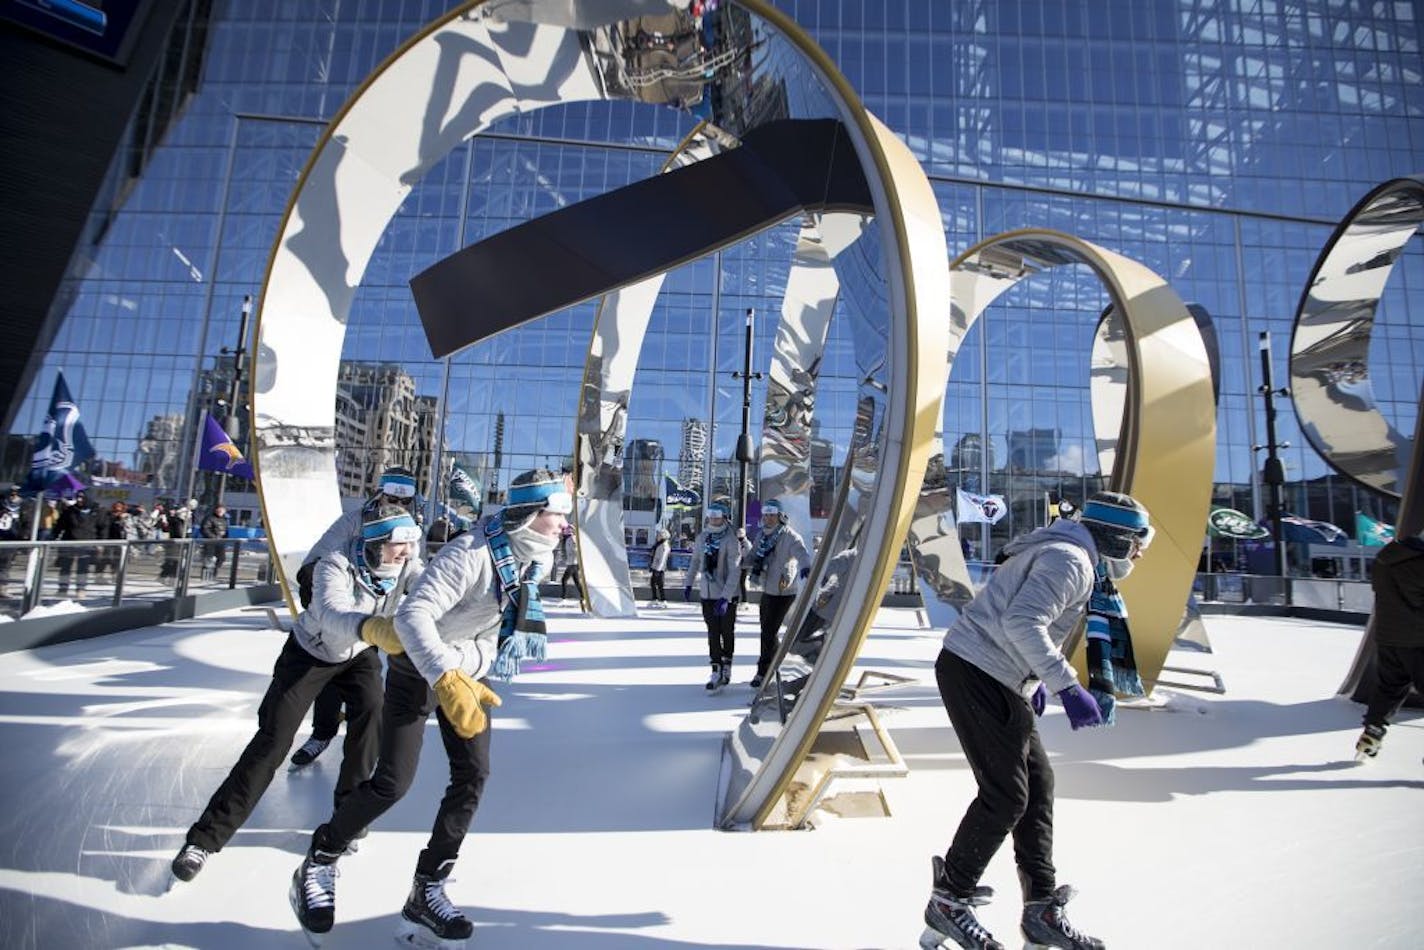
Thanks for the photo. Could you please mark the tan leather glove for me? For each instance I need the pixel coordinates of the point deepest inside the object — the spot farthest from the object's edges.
(464, 700)
(380, 632)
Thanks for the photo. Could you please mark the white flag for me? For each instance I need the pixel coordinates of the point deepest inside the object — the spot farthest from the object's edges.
(981, 509)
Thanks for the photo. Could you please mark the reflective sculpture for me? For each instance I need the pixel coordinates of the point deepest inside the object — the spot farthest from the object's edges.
(487, 60)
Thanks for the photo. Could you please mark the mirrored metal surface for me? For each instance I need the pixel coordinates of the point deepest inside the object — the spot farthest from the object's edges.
(1162, 424)
(1330, 343)
(485, 61)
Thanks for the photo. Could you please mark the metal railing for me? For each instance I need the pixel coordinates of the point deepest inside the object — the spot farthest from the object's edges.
(100, 574)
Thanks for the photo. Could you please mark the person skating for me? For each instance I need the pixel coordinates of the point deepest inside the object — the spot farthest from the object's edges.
(474, 611)
(1398, 581)
(398, 487)
(780, 561)
(329, 644)
(999, 660)
(716, 571)
(657, 569)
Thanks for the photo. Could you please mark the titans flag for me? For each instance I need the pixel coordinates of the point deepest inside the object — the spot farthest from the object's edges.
(980, 509)
(63, 443)
(219, 454)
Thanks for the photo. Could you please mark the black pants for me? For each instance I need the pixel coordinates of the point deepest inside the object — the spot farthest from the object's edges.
(326, 713)
(999, 736)
(409, 700)
(655, 581)
(773, 611)
(65, 564)
(1396, 669)
(721, 631)
(297, 677)
(571, 573)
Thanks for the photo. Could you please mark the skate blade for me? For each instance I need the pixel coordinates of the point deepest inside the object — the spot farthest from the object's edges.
(410, 934)
(932, 939)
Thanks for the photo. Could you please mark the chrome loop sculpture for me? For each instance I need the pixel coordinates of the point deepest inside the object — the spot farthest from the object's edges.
(1164, 447)
(487, 60)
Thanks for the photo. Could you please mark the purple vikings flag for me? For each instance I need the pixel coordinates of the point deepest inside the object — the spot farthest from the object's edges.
(220, 454)
(62, 444)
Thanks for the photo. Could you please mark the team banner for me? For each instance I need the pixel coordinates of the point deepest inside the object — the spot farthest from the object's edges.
(980, 509)
(678, 497)
(1371, 533)
(1230, 523)
(220, 454)
(62, 443)
(465, 490)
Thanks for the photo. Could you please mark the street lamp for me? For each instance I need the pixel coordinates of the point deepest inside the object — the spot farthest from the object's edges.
(746, 452)
(1274, 474)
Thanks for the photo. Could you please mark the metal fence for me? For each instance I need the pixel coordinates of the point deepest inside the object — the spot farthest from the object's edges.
(99, 574)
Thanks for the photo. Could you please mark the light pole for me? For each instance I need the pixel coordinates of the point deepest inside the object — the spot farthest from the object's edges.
(1274, 473)
(746, 452)
(231, 415)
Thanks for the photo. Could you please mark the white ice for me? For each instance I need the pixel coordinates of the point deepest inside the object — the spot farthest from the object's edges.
(1209, 821)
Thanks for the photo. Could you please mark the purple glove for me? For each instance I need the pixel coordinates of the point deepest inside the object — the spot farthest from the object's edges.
(1039, 699)
(1081, 707)
(721, 608)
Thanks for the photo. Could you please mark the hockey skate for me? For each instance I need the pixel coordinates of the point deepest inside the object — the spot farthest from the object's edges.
(428, 919)
(308, 753)
(724, 674)
(715, 682)
(188, 862)
(949, 920)
(1368, 745)
(1045, 926)
(313, 895)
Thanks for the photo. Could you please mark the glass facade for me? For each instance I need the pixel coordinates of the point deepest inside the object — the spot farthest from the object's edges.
(1218, 143)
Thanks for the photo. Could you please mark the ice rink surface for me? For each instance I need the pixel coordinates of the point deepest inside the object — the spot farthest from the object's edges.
(1236, 820)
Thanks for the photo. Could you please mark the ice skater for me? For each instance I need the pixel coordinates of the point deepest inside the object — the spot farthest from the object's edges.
(474, 612)
(397, 487)
(1000, 659)
(353, 594)
(716, 571)
(1398, 581)
(780, 561)
(657, 569)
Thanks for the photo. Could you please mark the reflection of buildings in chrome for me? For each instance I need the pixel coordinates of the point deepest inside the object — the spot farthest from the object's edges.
(380, 422)
(642, 471)
(1032, 450)
(159, 449)
(691, 460)
(823, 475)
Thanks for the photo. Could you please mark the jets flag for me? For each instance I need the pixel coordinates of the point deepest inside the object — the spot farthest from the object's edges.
(63, 443)
(219, 453)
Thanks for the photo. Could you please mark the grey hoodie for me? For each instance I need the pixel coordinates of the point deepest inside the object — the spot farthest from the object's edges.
(1014, 629)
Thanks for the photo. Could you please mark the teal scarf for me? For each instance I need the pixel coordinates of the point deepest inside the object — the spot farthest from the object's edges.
(522, 633)
(1112, 668)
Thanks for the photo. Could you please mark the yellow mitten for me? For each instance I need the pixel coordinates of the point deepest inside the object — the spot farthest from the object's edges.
(464, 700)
(380, 632)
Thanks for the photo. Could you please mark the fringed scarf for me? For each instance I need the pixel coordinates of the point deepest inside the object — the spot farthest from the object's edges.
(1112, 668)
(378, 586)
(711, 545)
(764, 547)
(522, 633)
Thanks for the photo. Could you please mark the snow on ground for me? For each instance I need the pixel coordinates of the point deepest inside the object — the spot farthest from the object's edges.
(1237, 820)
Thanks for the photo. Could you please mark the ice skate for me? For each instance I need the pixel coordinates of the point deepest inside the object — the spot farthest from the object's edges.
(949, 920)
(1045, 926)
(724, 673)
(308, 753)
(715, 681)
(757, 681)
(188, 862)
(428, 919)
(1368, 745)
(313, 894)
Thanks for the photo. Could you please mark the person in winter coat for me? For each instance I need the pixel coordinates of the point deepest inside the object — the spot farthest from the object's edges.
(79, 521)
(1000, 659)
(331, 642)
(716, 572)
(567, 554)
(397, 487)
(657, 569)
(1398, 581)
(779, 562)
(475, 611)
(215, 527)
